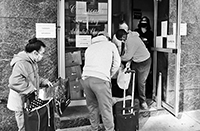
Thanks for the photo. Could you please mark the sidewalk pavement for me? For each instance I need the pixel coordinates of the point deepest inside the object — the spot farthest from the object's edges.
(188, 121)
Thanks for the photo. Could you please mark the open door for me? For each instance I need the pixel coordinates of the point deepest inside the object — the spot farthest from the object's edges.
(167, 60)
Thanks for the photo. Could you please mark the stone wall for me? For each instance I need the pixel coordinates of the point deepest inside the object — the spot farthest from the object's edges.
(190, 56)
(17, 26)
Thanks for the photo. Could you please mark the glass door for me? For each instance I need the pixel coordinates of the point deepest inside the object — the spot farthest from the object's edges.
(166, 56)
(78, 20)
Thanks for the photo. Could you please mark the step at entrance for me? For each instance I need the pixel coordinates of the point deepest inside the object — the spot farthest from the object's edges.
(76, 118)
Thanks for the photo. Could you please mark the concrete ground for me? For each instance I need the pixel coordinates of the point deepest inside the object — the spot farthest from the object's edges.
(188, 121)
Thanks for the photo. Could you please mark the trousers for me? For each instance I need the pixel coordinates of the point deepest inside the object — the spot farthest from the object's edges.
(19, 116)
(99, 102)
(142, 71)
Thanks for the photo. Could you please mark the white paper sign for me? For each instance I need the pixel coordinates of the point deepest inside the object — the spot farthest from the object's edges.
(171, 41)
(159, 41)
(80, 7)
(83, 40)
(183, 29)
(45, 30)
(103, 8)
(164, 29)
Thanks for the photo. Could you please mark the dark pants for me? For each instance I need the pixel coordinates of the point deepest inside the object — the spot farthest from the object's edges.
(142, 71)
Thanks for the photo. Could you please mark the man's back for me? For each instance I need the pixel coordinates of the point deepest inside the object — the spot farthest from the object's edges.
(101, 59)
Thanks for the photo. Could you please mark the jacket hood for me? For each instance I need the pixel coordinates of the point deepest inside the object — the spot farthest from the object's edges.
(100, 38)
(19, 57)
(133, 33)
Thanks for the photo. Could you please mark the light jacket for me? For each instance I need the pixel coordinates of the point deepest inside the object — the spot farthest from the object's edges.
(117, 42)
(102, 59)
(23, 80)
(135, 49)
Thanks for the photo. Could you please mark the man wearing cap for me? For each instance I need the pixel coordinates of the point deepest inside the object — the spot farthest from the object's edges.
(137, 53)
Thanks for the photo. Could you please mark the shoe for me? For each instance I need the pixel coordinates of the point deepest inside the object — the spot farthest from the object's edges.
(144, 106)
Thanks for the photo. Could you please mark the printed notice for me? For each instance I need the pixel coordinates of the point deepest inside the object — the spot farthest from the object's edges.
(103, 8)
(171, 41)
(183, 29)
(80, 7)
(164, 29)
(83, 40)
(45, 30)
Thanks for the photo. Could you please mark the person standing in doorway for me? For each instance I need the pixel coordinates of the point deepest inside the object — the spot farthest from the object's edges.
(146, 34)
(25, 78)
(137, 53)
(102, 61)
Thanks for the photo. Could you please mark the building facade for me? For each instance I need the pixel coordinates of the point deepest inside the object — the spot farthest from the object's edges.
(181, 71)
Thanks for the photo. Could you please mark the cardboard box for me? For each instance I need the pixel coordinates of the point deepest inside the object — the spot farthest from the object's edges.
(76, 90)
(73, 58)
(73, 72)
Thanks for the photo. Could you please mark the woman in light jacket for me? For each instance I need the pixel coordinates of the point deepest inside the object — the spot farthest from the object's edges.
(24, 78)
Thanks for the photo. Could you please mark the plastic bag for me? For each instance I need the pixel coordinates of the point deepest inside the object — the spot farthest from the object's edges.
(123, 78)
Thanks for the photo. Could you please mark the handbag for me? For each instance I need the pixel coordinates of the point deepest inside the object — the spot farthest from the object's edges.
(38, 114)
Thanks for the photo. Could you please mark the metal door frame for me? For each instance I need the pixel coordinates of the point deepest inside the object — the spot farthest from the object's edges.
(173, 110)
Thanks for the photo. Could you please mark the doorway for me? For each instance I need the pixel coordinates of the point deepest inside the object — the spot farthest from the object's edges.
(130, 11)
(165, 74)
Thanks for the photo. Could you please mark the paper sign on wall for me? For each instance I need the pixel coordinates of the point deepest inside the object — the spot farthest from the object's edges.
(45, 30)
(83, 40)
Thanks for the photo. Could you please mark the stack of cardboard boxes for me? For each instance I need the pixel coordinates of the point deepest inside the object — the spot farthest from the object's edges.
(73, 72)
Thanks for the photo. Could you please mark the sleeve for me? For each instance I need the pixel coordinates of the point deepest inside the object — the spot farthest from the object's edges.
(132, 45)
(116, 61)
(19, 80)
(43, 82)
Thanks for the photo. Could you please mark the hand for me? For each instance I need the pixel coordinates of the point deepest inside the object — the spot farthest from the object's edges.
(49, 84)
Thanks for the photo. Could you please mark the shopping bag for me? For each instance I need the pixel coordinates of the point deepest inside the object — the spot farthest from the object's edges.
(60, 92)
(39, 115)
(62, 95)
(123, 78)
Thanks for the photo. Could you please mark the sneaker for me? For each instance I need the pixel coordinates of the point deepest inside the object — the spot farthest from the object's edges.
(144, 106)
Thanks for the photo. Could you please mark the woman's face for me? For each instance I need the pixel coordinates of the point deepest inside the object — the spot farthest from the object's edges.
(143, 29)
(38, 55)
